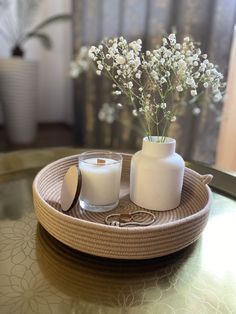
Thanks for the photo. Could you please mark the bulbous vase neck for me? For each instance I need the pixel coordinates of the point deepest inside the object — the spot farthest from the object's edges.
(155, 147)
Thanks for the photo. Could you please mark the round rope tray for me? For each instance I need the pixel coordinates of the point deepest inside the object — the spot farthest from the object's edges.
(87, 232)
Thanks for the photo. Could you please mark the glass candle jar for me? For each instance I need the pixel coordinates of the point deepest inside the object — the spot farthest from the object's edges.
(101, 174)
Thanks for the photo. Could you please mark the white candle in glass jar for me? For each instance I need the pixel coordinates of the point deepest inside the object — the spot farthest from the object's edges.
(100, 182)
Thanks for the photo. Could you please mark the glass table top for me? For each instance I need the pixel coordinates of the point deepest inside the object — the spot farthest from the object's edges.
(38, 274)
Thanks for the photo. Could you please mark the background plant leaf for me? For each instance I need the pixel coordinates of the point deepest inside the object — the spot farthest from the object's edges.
(50, 20)
(44, 39)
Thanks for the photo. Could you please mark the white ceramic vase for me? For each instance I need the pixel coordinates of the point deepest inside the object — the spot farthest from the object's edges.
(18, 96)
(156, 175)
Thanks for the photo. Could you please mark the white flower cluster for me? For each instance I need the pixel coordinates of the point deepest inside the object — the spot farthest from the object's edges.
(191, 69)
(150, 79)
(120, 58)
(107, 113)
(80, 64)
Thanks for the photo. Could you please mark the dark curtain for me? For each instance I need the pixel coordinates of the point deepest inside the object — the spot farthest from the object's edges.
(207, 21)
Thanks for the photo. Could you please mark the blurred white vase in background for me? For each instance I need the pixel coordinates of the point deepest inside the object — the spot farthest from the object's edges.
(18, 96)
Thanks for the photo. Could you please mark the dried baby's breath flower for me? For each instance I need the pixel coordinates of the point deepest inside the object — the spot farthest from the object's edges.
(107, 113)
(151, 78)
(196, 111)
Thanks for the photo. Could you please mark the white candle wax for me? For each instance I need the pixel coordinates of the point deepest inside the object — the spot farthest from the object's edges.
(100, 182)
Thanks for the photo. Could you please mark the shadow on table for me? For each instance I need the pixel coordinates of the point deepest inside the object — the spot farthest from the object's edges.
(106, 281)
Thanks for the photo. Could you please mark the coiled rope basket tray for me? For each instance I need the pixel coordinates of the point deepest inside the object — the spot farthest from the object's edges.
(87, 232)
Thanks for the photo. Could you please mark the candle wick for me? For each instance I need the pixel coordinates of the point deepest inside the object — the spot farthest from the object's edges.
(101, 161)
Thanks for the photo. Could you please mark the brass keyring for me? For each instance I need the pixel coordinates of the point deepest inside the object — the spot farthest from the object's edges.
(128, 219)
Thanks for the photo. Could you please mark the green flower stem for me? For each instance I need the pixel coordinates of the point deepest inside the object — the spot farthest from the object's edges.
(166, 127)
(147, 131)
(157, 129)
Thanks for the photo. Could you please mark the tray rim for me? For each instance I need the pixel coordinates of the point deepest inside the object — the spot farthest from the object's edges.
(224, 182)
(116, 229)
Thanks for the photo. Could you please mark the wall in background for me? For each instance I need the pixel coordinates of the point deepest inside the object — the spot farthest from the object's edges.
(55, 86)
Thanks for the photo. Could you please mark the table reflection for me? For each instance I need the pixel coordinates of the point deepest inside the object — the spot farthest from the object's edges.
(104, 282)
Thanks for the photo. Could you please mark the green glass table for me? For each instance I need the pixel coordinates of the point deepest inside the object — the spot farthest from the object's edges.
(38, 274)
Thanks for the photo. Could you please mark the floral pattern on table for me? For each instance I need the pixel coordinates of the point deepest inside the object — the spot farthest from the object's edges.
(23, 287)
(25, 290)
(18, 240)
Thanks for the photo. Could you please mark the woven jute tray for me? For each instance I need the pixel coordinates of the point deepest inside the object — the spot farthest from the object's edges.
(87, 232)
